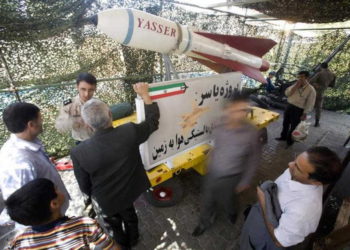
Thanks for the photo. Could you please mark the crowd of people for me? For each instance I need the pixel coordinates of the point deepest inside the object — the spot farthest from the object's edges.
(109, 171)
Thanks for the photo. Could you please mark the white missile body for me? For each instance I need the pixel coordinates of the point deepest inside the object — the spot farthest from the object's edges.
(142, 30)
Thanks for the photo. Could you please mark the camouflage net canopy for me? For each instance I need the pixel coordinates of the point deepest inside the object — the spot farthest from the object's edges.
(307, 11)
(44, 44)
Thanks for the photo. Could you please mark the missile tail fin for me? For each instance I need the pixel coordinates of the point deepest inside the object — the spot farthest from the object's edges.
(222, 65)
(251, 45)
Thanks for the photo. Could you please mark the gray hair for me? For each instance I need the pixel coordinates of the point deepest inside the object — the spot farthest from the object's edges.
(96, 114)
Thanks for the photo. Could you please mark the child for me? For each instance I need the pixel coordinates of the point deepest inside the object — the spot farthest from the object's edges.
(38, 204)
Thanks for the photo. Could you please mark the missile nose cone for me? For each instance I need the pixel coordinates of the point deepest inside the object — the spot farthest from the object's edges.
(265, 65)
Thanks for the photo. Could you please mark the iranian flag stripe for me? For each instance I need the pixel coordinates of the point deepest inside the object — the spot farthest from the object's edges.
(174, 85)
(153, 97)
(168, 90)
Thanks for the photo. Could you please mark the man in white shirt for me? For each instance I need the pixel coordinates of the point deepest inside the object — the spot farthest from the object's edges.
(301, 101)
(23, 157)
(300, 190)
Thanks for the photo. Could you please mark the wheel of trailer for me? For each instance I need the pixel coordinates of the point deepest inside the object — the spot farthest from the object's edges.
(166, 194)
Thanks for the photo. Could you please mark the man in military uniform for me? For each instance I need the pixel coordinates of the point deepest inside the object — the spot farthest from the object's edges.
(69, 118)
(321, 81)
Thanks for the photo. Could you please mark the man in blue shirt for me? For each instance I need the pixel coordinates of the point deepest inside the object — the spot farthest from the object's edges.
(23, 157)
(269, 85)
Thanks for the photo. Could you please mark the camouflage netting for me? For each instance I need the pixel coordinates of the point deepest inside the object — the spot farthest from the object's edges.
(307, 11)
(46, 43)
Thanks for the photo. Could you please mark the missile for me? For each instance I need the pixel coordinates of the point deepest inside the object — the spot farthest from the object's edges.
(222, 53)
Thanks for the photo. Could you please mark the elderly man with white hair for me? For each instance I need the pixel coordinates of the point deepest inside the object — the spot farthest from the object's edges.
(108, 166)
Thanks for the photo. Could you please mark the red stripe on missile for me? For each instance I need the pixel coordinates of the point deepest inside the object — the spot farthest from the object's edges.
(251, 45)
(236, 66)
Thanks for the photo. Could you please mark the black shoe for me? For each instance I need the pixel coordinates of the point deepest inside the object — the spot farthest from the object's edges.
(290, 143)
(280, 139)
(317, 125)
(198, 231)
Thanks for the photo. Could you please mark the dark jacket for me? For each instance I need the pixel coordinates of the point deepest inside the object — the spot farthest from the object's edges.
(108, 166)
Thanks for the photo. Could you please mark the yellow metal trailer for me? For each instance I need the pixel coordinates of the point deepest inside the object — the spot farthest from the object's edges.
(192, 159)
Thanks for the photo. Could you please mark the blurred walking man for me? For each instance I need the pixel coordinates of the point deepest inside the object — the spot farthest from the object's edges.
(23, 157)
(108, 166)
(232, 164)
(301, 101)
(321, 81)
(299, 194)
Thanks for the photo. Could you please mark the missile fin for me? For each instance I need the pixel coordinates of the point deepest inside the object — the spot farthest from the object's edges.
(251, 45)
(235, 66)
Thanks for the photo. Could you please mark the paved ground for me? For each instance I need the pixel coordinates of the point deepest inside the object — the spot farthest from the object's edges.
(170, 228)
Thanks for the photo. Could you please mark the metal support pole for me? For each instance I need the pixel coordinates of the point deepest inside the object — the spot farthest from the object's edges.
(280, 71)
(244, 21)
(289, 45)
(169, 68)
(11, 82)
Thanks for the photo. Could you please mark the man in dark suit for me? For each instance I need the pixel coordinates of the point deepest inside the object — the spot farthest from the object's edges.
(108, 166)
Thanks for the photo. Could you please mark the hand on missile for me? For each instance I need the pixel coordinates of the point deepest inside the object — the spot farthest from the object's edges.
(141, 88)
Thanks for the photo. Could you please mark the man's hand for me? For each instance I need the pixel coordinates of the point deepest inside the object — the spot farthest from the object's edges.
(270, 228)
(301, 83)
(141, 89)
(303, 117)
(261, 197)
(296, 86)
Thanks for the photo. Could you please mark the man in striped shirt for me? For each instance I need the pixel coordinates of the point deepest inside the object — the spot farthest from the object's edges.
(38, 205)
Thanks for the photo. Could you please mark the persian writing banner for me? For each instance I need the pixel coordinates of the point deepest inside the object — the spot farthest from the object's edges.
(188, 111)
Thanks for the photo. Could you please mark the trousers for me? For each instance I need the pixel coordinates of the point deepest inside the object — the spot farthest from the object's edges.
(318, 106)
(254, 235)
(124, 225)
(291, 119)
(218, 192)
